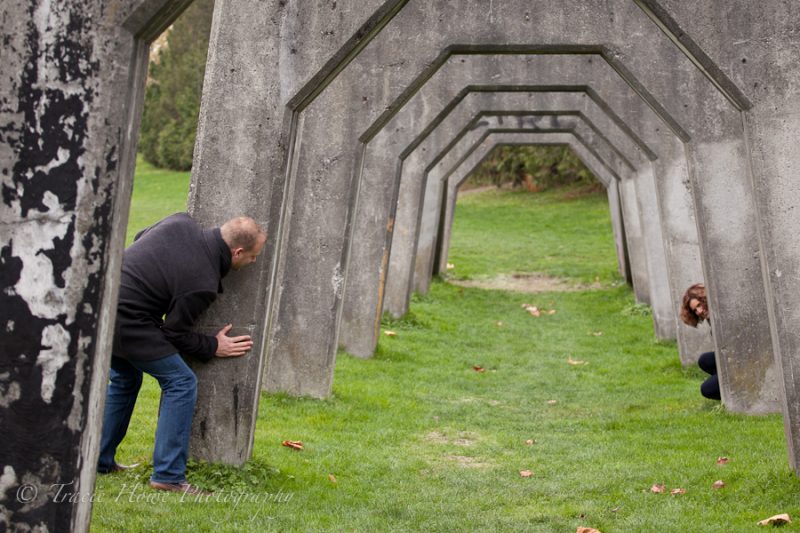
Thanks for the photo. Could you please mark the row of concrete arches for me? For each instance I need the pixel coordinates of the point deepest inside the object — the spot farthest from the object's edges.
(344, 128)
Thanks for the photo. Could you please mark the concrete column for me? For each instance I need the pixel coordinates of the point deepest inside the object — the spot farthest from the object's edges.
(71, 94)
(748, 45)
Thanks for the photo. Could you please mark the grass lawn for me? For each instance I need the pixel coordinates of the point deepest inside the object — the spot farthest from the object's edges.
(417, 439)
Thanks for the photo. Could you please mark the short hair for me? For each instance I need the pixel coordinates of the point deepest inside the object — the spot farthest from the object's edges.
(242, 232)
(695, 292)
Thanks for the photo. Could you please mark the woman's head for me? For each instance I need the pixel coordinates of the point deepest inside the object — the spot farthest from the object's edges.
(694, 308)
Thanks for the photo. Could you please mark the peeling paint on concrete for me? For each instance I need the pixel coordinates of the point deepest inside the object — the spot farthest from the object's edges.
(55, 338)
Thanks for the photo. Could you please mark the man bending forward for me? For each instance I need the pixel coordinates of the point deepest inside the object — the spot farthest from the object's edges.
(171, 274)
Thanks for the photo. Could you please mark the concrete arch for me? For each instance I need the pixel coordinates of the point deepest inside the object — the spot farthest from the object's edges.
(507, 69)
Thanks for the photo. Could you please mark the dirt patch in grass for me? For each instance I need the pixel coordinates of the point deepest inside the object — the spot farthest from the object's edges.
(467, 462)
(463, 438)
(531, 282)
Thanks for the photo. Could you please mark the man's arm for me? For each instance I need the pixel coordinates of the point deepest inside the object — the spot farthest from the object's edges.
(179, 321)
(178, 330)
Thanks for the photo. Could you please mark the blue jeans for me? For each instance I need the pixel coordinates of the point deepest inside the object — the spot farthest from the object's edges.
(178, 396)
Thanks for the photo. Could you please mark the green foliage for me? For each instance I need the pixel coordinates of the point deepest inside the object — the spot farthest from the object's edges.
(172, 97)
(538, 168)
(156, 194)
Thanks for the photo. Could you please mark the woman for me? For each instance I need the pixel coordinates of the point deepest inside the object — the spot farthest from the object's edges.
(694, 310)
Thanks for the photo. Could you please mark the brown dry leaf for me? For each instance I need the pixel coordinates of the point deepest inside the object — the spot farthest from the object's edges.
(718, 484)
(478, 368)
(450, 266)
(295, 444)
(722, 460)
(582, 529)
(576, 362)
(777, 520)
(390, 333)
(525, 473)
(552, 402)
(530, 442)
(596, 333)
(551, 312)
(657, 489)
(675, 492)
(332, 478)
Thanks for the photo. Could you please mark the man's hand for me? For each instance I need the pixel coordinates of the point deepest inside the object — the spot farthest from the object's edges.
(232, 346)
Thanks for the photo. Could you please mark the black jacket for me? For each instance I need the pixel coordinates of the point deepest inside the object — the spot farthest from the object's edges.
(172, 270)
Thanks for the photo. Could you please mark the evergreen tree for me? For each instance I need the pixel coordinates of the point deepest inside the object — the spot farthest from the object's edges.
(172, 97)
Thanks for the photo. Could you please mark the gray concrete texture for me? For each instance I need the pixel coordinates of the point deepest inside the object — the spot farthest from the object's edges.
(293, 93)
(615, 87)
(463, 69)
(687, 97)
(70, 100)
(753, 51)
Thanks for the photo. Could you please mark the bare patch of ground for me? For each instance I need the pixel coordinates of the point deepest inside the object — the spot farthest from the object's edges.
(463, 439)
(467, 462)
(531, 282)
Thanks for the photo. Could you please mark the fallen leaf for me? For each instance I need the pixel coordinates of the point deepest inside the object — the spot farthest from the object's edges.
(657, 489)
(722, 460)
(450, 266)
(615, 509)
(552, 402)
(530, 442)
(777, 520)
(718, 484)
(551, 312)
(677, 491)
(332, 478)
(478, 368)
(390, 333)
(576, 362)
(596, 333)
(525, 473)
(296, 444)
(499, 324)
(582, 529)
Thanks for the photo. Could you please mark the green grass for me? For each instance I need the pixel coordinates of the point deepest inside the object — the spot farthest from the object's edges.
(417, 440)
(156, 194)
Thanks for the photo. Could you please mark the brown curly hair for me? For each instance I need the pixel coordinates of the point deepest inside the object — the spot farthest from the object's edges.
(695, 292)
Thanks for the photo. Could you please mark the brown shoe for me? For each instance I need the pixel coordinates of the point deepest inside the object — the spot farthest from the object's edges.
(183, 487)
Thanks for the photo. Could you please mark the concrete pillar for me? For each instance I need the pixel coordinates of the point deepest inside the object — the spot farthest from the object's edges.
(373, 83)
(71, 93)
(358, 333)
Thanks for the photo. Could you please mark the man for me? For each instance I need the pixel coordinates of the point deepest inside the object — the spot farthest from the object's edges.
(171, 274)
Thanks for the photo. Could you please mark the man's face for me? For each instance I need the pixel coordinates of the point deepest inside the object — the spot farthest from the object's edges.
(241, 257)
(699, 309)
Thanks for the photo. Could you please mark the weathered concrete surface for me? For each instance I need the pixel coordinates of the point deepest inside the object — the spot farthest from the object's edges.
(754, 51)
(258, 62)
(360, 338)
(370, 89)
(70, 100)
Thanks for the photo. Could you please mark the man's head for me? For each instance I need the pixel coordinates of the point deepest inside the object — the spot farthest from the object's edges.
(694, 308)
(245, 238)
